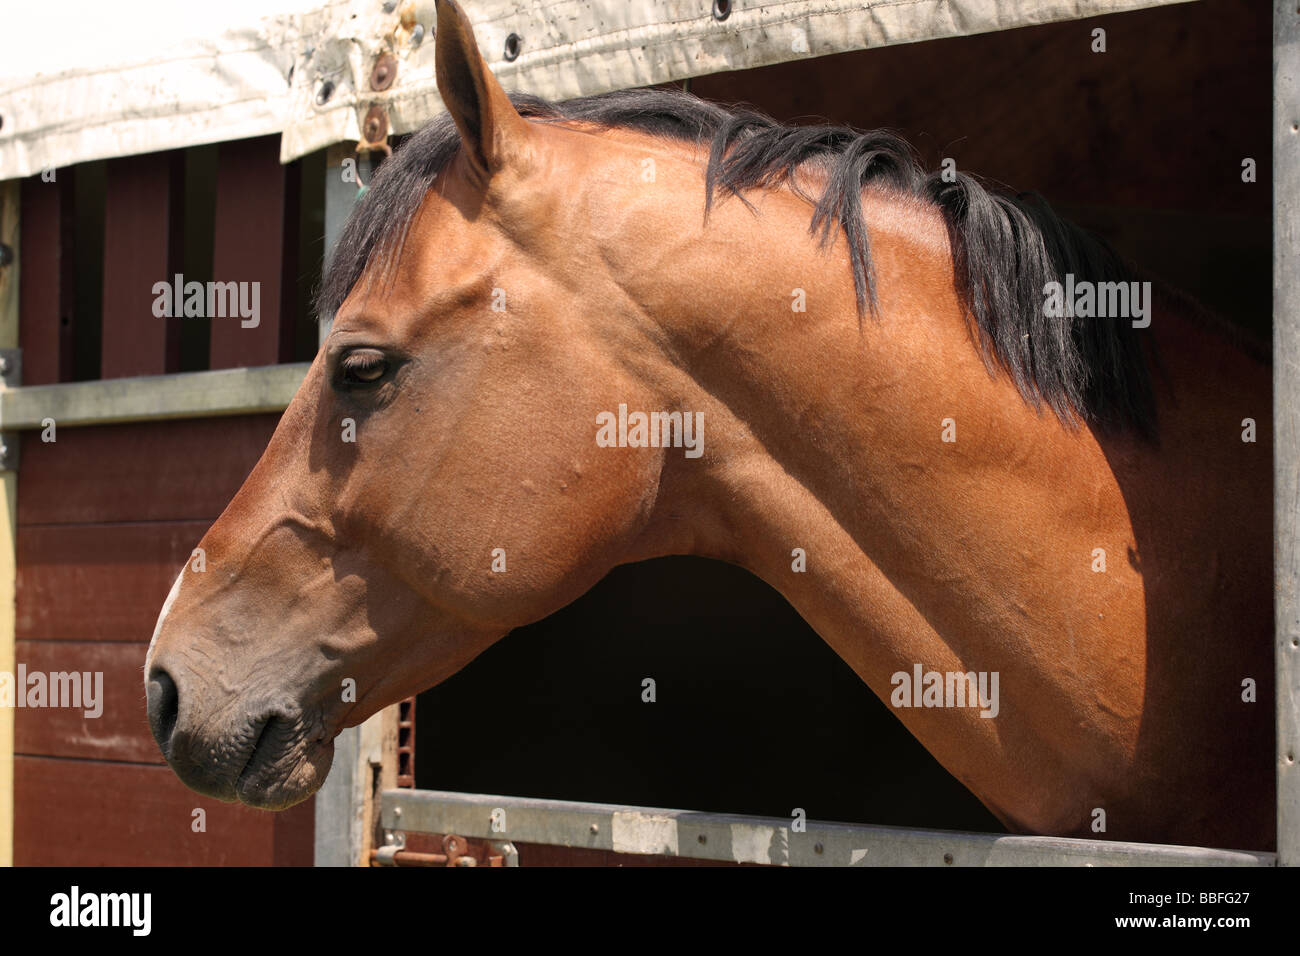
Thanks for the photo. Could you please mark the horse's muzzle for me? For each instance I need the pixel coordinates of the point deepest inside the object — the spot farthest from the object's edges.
(263, 755)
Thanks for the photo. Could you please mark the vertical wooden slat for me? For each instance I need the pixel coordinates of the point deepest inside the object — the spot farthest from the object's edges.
(45, 289)
(252, 194)
(142, 233)
(9, 298)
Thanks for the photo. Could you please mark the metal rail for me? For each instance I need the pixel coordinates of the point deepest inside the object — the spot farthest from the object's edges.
(744, 839)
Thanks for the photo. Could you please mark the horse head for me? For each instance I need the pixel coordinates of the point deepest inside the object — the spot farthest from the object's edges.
(437, 479)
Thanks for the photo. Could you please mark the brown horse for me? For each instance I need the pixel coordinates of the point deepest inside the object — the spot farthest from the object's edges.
(570, 336)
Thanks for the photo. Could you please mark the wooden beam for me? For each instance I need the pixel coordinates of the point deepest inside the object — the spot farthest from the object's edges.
(1286, 419)
(10, 204)
(235, 391)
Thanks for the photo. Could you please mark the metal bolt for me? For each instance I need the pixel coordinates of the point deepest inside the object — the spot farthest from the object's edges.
(703, 839)
(595, 828)
(417, 34)
(390, 6)
(5, 367)
(6, 254)
(384, 72)
(817, 848)
(947, 858)
(397, 811)
(375, 125)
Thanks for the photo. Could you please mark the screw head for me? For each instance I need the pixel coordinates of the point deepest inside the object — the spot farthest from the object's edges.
(374, 127)
(384, 72)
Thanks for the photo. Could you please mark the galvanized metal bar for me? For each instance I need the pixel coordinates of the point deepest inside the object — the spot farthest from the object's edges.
(338, 839)
(344, 797)
(345, 172)
(1286, 418)
(743, 839)
(236, 391)
(345, 811)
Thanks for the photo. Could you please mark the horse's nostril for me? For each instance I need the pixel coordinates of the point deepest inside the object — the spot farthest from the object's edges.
(163, 704)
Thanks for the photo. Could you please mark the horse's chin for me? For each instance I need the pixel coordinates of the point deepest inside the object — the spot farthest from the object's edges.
(277, 781)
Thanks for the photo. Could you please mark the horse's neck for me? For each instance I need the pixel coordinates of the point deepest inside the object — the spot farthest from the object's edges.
(876, 475)
(882, 443)
(916, 511)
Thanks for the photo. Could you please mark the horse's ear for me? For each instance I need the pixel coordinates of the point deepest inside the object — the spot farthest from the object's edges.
(491, 130)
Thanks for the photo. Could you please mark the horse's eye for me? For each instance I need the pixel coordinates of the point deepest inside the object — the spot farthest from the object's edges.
(363, 367)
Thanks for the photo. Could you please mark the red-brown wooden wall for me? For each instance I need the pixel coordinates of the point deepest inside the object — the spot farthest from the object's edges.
(107, 515)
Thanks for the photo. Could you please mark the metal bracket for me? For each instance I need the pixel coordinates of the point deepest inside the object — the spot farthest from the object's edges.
(509, 855)
(386, 855)
(11, 376)
(8, 451)
(11, 367)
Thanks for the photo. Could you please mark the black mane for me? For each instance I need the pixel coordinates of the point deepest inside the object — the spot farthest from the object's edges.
(1005, 248)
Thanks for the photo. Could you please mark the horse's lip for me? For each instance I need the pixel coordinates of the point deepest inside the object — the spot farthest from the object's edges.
(269, 774)
(257, 748)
